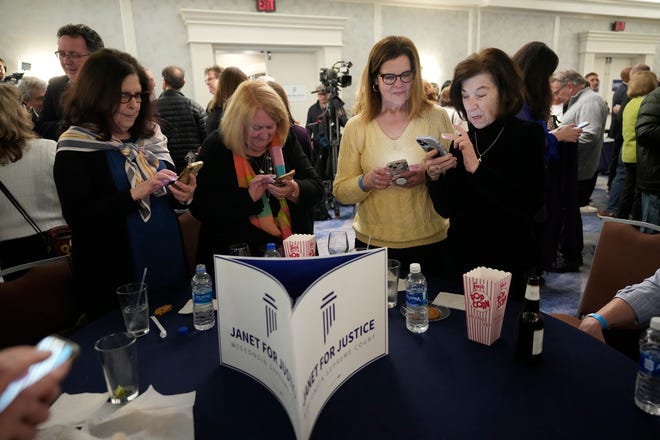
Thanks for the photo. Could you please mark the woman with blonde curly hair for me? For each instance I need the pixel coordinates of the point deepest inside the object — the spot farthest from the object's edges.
(26, 170)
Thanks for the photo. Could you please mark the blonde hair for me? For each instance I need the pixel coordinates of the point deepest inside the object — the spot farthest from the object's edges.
(15, 125)
(249, 97)
(368, 100)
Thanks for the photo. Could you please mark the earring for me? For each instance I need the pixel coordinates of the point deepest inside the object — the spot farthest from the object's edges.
(374, 87)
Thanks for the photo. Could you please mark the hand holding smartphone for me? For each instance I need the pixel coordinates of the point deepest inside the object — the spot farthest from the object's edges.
(429, 143)
(582, 124)
(61, 349)
(192, 168)
(279, 180)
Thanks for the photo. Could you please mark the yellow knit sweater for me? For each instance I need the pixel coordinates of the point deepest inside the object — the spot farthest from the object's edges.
(394, 217)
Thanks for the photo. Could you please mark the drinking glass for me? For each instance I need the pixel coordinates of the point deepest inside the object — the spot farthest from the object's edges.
(134, 307)
(337, 242)
(393, 267)
(239, 249)
(118, 356)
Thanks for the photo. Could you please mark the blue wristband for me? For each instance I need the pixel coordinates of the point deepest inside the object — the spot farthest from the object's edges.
(603, 323)
(360, 183)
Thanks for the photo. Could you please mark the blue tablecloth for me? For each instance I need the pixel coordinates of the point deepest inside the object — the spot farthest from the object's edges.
(435, 385)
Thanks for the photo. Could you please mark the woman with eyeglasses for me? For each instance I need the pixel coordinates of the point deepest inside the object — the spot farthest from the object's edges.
(114, 177)
(394, 209)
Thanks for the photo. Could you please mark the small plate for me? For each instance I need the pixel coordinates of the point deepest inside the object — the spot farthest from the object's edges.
(436, 313)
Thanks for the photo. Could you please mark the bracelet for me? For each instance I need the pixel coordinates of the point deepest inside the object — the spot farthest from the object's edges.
(596, 316)
(360, 184)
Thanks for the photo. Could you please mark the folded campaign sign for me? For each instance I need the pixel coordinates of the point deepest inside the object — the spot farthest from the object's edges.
(303, 351)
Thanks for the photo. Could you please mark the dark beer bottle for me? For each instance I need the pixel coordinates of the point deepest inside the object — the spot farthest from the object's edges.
(530, 325)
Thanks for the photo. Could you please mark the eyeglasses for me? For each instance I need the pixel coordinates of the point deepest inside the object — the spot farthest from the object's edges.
(126, 97)
(556, 93)
(71, 55)
(390, 78)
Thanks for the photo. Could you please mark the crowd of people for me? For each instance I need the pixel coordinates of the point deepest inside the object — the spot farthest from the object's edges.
(519, 145)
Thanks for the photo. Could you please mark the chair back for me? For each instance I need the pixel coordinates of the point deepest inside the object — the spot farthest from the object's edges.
(38, 303)
(190, 227)
(624, 256)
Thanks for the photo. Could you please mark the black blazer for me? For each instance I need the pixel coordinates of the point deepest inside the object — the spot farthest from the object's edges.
(48, 125)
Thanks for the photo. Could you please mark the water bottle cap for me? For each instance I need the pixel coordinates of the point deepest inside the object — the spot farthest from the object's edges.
(201, 268)
(270, 246)
(415, 268)
(655, 323)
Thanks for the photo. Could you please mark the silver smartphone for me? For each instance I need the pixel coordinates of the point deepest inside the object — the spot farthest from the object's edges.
(61, 349)
(429, 143)
(397, 167)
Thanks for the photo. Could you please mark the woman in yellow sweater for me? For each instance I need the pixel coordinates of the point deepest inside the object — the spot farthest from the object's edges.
(393, 209)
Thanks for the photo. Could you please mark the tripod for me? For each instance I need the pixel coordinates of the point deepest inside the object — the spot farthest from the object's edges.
(335, 118)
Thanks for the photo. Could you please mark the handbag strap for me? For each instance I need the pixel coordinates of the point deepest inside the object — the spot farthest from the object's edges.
(23, 212)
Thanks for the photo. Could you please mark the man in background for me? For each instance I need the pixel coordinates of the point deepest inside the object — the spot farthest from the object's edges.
(615, 171)
(33, 91)
(182, 120)
(211, 77)
(583, 105)
(75, 43)
(593, 80)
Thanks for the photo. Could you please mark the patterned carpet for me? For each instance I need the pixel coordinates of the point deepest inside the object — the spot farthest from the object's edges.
(561, 292)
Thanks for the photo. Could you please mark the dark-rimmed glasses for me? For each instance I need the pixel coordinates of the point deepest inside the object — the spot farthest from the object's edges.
(390, 78)
(125, 98)
(71, 55)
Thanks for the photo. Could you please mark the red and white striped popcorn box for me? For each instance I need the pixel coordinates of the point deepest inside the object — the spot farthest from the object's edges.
(299, 245)
(486, 291)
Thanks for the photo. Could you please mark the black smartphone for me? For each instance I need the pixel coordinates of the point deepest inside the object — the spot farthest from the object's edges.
(61, 349)
(429, 143)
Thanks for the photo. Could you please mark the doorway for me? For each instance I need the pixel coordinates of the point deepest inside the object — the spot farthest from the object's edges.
(295, 71)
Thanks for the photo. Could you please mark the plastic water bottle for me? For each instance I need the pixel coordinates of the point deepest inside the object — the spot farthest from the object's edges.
(647, 387)
(202, 295)
(271, 251)
(417, 311)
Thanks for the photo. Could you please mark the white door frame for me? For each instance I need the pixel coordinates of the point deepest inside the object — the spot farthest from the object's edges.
(208, 30)
(592, 43)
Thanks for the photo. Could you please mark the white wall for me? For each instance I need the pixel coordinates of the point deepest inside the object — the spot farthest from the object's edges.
(444, 31)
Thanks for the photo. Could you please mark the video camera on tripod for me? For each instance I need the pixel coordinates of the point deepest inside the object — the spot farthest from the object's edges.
(14, 77)
(336, 76)
(334, 117)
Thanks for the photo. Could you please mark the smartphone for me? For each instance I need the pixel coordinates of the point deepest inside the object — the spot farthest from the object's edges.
(429, 143)
(191, 168)
(61, 349)
(397, 167)
(582, 124)
(286, 176)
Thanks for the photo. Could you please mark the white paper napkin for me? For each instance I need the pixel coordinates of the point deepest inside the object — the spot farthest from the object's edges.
(451, 300)
(150, 416)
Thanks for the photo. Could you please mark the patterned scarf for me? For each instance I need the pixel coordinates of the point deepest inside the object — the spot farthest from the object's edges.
(142, 157)
(280, 227)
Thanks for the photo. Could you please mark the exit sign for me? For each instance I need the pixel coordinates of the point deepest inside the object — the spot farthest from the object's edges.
(266, 5)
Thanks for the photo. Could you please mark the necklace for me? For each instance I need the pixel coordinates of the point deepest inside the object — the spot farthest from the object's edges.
(261, 164)
(476, 143)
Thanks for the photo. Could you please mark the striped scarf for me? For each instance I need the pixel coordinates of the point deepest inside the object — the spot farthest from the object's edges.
(280, 227)
(142, 157)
